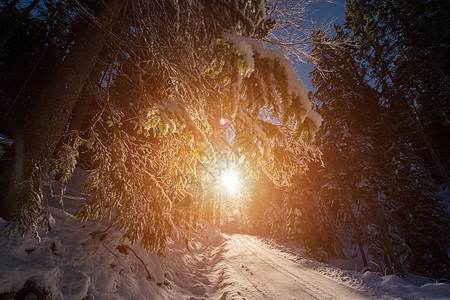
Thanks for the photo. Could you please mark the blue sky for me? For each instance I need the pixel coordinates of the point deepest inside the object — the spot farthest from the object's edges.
(323, 12)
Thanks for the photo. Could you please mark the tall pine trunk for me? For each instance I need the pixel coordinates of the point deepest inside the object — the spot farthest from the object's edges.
(13, 104)
(37, 139)
(88, 95)
(417, 122)
(357, 234)
(374, 206)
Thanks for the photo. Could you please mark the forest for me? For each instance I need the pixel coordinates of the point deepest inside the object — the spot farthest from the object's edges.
(157, 100)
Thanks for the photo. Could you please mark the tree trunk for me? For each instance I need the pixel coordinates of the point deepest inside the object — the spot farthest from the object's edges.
(210, 210)
(196, 208)
(219, 207)
(202, 209)
(37, 139)
(354, 224)
(88, 94)
(15, 113)
(86, 106)
(385, 235)
(352, 216)
(416, 120)
(12, 106)
(357, 235)
(431, 150)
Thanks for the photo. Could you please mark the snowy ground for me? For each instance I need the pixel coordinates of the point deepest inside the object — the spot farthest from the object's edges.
(73, 262)
(78, 261)
(265, 273)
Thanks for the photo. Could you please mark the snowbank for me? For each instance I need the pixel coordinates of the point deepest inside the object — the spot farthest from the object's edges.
(4, 141)
(387, 287)
(82, 261)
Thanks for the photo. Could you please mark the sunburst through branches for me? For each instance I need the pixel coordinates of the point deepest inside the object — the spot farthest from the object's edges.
(231, 182)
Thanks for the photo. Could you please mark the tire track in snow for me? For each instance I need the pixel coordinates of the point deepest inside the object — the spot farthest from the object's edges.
(305, 289)
(239, 270)
(279, 268)
(301, 283)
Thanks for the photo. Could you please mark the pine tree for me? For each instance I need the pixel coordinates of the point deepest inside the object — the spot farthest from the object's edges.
(351, 144)
(409, 73)
(176, 70)
(314, 221)
(29, 59)
(20, 191)
(421, 216)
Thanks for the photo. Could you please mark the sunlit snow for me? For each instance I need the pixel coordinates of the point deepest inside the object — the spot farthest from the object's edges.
(80, 261)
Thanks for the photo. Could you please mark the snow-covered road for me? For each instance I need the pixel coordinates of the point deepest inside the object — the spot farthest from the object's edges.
(259, 272)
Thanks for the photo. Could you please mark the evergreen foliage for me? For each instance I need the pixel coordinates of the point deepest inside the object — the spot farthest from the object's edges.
(421, 216)
(376, 189)
(374, 184)
(172, 71)
(157, 98)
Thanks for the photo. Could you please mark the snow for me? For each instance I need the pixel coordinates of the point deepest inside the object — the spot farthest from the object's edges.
(316, 119)
(371, 284)
(249, 48)
(6, 142)
(81, 261)
(259, 133)
(75, 262)
(443, 193)
(253, 263)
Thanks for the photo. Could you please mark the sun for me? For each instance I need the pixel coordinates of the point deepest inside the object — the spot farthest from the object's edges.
(231, 183)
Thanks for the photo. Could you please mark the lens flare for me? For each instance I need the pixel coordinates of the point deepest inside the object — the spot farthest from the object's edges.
(231, 182)
(223, 122)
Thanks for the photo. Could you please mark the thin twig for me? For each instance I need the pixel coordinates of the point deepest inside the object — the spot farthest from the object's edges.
(138, 257)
